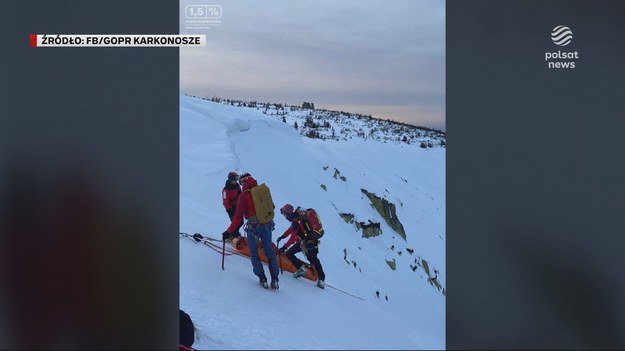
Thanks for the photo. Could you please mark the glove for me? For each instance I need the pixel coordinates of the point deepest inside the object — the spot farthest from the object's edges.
(282, 249)
(225, 235)
(278, 242)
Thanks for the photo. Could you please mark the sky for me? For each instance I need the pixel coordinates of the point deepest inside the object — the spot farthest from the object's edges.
(369, 57)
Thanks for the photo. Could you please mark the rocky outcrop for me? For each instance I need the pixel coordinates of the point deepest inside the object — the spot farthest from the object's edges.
(387, 211)
(433, 280)
(347, 217)
(369, 230)
(392, 264)
(337, 175)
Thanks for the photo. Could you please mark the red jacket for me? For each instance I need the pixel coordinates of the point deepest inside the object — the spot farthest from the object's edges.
(230, 194)
(295, 231)
(245, 206)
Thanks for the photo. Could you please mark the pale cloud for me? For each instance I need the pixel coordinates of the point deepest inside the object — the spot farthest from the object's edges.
(386, 57)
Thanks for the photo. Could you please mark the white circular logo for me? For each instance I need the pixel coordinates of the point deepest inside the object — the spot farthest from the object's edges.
(561, 35)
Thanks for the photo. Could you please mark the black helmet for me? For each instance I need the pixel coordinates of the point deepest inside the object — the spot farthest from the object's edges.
(242, 177)
(233, 176)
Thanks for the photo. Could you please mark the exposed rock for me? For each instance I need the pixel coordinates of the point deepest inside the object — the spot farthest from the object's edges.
(388, 211)
(425, 266)
(337, 175)
(347, 217)
(370, 230)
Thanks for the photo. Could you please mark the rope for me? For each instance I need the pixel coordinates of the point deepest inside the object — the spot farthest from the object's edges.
(344, 292)
(215, 247)
(208, 241)
(204, 238)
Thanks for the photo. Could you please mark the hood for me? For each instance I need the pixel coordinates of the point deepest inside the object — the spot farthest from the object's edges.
(249, 183)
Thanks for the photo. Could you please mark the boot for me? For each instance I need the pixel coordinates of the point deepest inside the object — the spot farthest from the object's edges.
(300, 272)
(274, 283)
(263, 281)
(321, 284)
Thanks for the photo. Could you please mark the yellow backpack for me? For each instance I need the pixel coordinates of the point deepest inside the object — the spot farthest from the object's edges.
(263, 203)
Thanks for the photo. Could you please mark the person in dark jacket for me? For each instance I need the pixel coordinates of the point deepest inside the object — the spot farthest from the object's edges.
(301, 240)
(257, 233)
(230, 195)
(187, 331)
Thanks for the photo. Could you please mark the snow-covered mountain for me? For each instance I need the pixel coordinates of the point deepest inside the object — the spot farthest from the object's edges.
(354, 183)
(341, 125)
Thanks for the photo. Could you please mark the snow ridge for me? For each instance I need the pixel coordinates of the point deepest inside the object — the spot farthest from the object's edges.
(339, 125)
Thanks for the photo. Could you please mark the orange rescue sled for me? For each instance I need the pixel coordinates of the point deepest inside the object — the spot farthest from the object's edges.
(240, 244)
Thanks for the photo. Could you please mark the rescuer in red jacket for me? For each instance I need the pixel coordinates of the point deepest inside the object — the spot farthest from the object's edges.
(307, 243)
(230, 195)
(257, 233)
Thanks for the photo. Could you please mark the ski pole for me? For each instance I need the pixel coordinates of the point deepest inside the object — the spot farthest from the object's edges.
(223, 255)
(280, 262)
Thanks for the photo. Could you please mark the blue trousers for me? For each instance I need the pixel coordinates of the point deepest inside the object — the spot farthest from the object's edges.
(262, 233)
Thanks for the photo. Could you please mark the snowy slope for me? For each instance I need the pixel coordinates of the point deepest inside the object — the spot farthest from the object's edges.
(341, 125)
(233, 312)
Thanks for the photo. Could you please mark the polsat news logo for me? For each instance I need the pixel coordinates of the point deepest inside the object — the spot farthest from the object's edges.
(561, 35)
